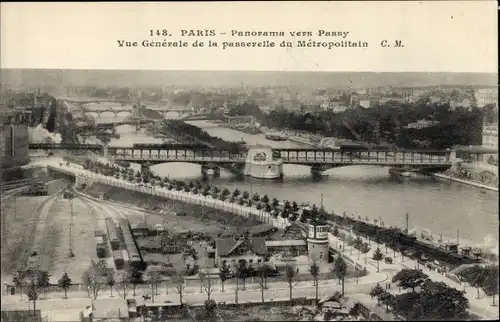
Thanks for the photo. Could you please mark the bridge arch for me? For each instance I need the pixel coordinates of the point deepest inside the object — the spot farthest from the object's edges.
(92, 114)
(108, 114)
(124, 113)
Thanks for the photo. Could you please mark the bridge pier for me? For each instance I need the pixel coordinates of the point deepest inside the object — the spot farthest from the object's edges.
(317, 169)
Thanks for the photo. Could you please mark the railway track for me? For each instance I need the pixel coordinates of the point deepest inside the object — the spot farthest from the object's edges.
(23, 183)
(94, 215)
(28, 240)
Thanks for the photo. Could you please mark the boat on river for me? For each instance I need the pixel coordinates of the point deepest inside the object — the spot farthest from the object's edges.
(275, 137)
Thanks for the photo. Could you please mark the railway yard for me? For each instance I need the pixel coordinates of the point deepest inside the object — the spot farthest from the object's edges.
(59, 230)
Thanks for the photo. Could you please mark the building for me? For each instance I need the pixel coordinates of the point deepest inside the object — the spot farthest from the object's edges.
(485, 96)
(287, 248)
(231, 251)
(107, 309)
(490, 136)
(14, 145)
(240, 119)
(465, 103)
(317, 242)
(421, 124)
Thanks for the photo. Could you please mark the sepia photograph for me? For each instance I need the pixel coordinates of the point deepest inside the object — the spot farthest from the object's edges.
(154, 168)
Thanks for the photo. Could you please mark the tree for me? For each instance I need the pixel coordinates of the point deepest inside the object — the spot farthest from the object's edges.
(314, 269)
(402, 250)
(264, 271)
(339, 270)
(245, 195)
(409, 278)
(110, 281)
(179, 285)
(209, 311)
(236, 192)
(378, 256)
(476, 276)
(365, 249)
(33, 282)
(256, 197)
(122, 281)
(275, 203)
(64, 282)
(135, 278)
(376, 292)
(358, 243)
(91, 278)
(291, 274)
(265, 199)
(190, 252)
(387, 299)
(225, 274)
(438, 301)
(490, 285)
(207, 284)
(154, 279)
(242, 271)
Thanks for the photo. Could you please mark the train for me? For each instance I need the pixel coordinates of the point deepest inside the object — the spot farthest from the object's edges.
(118, 257)
(176, 146)
(112, 234)
(37, 189)
(100, 244)
(134, 255)
(68, 194)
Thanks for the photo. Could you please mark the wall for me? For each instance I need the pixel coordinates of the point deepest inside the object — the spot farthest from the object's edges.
(233, 260)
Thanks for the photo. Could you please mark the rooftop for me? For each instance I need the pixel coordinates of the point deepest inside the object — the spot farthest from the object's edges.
(225, 246)
(284, 243)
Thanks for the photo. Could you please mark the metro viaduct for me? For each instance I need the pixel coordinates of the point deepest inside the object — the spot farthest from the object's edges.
(317, 159)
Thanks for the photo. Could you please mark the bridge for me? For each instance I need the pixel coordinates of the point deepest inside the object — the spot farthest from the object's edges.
(319, 159)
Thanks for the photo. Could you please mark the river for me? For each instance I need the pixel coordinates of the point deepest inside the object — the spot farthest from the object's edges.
(368, 191)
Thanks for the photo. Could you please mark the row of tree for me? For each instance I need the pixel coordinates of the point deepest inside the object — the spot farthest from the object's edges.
(288, 209)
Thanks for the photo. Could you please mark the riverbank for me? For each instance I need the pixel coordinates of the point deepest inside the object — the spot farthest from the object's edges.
(467, 182)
